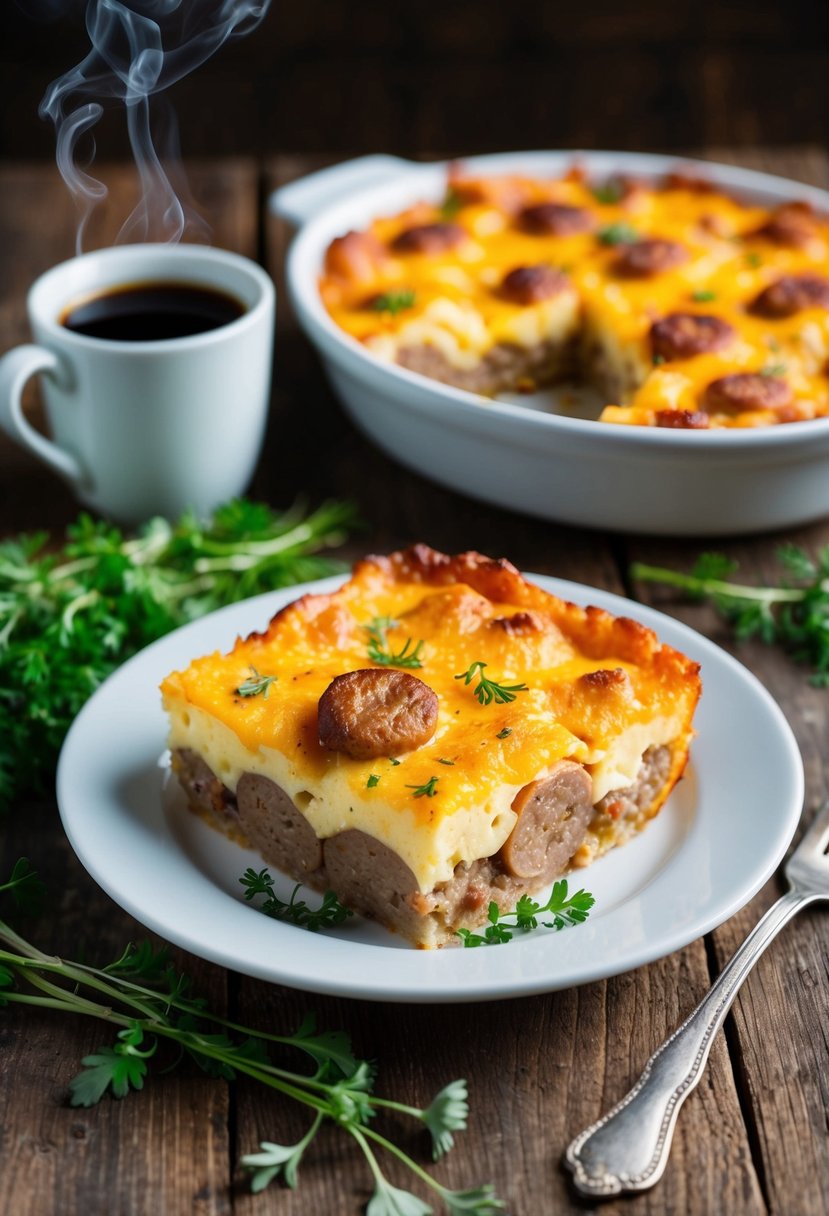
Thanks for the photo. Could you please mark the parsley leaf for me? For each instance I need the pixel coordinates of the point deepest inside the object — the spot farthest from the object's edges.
(451, 205)
(378, 647)
(609, 192)
(275, 1160)
(447, 1113)
(389, 1200)
(393, 302)
(256, 684)
(427, 790)
(572, 910)
(618, 234)
(486, 690)
(296, 912)
(117, 1068)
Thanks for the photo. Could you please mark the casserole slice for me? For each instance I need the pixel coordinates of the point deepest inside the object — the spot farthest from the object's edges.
(437, 734)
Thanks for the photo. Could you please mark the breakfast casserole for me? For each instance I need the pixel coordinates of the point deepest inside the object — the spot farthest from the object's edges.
(681, 305)
(436, 735)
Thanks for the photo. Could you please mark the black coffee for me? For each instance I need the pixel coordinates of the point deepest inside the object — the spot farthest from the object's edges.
(151, 312)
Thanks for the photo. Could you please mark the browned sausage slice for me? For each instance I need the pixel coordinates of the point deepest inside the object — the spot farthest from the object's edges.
(429, 238)
(553, 817)
(682, 420)
(792, 225)
(275, 827)
(746, 391)
(556, 219)
(642, 259)
(532, 284)
(792, 293)
(371, 712)
(681, 335)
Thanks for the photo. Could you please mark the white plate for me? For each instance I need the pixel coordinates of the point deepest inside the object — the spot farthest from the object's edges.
(721, 835)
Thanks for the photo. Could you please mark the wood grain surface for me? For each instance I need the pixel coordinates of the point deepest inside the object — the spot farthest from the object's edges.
(751, 1139)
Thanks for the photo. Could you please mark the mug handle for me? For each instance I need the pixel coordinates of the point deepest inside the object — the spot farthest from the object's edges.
(16, 368)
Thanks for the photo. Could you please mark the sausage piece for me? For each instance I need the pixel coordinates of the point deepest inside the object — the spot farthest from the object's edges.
(555, 219)
(429, 238)
(746, 391)
(793, 226)
(682, 420)
(642, 259)
(354, 257)
(275, 827)
(553, 817)
(791, 294)
(369, 876)
(681, 335)
(532, 284)
(373, 712)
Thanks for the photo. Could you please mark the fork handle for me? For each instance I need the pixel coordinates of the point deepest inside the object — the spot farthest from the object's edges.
(627, 1150)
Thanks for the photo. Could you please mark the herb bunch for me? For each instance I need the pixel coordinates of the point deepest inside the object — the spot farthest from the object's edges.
(69, 618)
(564, 910)
(148, 1003)
(793, 614)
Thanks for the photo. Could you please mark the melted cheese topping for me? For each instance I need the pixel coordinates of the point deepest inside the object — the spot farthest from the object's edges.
(459, 310)
(480, 755)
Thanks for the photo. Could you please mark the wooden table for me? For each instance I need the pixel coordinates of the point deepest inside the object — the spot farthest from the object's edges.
(753, 1138)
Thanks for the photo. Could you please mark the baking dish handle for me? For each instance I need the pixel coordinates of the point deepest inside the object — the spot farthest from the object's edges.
(300, 201)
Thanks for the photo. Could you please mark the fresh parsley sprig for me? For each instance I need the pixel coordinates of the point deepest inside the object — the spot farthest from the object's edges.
(793, 614)
(526, 917)
(149, 1004)
(487, 690)
(255, 684)
(380, 652)
(295, 911)
(70, 616)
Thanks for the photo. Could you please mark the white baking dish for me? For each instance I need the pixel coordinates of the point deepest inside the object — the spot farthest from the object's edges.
(567, 469)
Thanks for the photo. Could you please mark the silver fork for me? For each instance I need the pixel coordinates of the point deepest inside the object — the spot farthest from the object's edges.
(627, 1150)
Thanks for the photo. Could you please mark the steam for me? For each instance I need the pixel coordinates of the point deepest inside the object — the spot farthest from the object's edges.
(139, 48)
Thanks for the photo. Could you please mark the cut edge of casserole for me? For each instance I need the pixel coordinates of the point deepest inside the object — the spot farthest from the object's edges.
(499, 801)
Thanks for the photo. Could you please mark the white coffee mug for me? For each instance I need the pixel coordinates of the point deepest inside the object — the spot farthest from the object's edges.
(143, 428)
